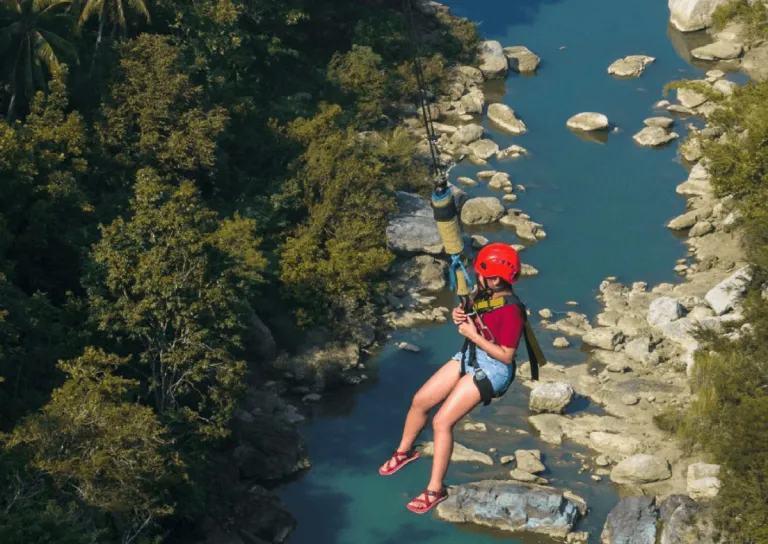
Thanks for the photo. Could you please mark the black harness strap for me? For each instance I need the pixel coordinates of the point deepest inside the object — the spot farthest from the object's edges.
(469, 349)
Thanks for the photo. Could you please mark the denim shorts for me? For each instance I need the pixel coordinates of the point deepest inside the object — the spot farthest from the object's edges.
(498, 373)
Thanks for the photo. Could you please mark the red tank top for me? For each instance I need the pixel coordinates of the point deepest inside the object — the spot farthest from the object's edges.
(506, 325)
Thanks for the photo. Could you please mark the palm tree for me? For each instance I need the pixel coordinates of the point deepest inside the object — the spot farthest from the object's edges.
(114, 10)
(31, 44)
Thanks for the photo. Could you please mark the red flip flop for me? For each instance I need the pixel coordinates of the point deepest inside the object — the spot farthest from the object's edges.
(428, 504)
(401, 458)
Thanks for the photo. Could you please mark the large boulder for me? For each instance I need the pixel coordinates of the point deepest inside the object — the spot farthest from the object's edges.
(482, 211)
(493, 61)
(521, 59)
(421, 273)
(755, 63)
(690, 98)
(588, 121)
(484, 149)
(529, 461)
(504, 116)
(703, 481)
(413, 228)
(683, 521)
(511, 506)
(632, 521)
(664, 310)
(690, 15)
(654, 137)
(718, 51)
(550, 397)
(729, 292)
(604, 338)
(641, 469)
(467, 134)
(268, 450)
(630, 66)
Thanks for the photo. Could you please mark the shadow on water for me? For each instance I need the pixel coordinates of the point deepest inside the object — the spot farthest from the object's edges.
(491, 22)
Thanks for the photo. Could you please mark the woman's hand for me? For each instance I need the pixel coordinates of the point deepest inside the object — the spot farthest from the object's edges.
(468, 329)
(459, 315)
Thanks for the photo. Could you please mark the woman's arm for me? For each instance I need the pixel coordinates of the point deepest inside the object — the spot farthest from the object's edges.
(501, 353)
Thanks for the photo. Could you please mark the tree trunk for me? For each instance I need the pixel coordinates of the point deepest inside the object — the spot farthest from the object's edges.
(99, 37)
(11, 107)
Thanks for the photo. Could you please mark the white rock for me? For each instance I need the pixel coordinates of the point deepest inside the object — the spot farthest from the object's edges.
(703, 481)
(529, 461)
(588, 121)
(500, 181)
(411, 348)
(663, 122)
(725, 87)
(664, 310)
(504, 117)
(613, 443)
(545, 313)
(690, 98)
(654, 137)
(522, 59)
(718, 51)
(729, 292)
(479, 427)
(639, 350)
(468, 182)
(460, 454)
(467, 134)
(604, 338)
(701, 228)
(715, 74)
(493, 62)
(482, 211)
(550, 397)
(561, 342)
(631, 66)
(522, 476)
(640, 469)
(484, 149)
(679, 332)
(690, 15)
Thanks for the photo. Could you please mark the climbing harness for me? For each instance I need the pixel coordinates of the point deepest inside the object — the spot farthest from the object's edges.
(483, 307)
(442, 200)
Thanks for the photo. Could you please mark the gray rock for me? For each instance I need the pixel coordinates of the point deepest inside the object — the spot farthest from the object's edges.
(551, 397)
(639, 350)
(613, 443)
(504, 117)
(511, 506)
(703, 481)
(413, 229)
(500, 181)
(632, 521)
(755, 63)
(588, 121)
(691, 149)
(529, 461)
(718, 51)
(689, 219)
(630, 66)
(472, 102)
(411, 348)
(604, 338)
(684, 521)
(690, 15)
(461, 454)
(663, 122)
(482, 211)
(506, 459)
(523, 476)
(629, 399)
(641, 469)
(654, 136)
(664, 310)
(493, 62)
(729, 292)
(484, 149)
(521, 59)
(690, 98)
(422, 273)
(468, 182)
(268, 450)
(467, 134)
(725, 87)
(701, 228)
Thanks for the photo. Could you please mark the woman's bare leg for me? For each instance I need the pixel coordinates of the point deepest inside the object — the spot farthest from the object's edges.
(434, 391)
(459, 403)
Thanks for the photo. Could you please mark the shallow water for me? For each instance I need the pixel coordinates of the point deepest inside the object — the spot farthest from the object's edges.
(603, 206)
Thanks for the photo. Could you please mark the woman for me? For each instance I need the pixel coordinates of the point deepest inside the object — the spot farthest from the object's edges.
(497, 267)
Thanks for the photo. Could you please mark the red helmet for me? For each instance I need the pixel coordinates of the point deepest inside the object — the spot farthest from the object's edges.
(498, 260)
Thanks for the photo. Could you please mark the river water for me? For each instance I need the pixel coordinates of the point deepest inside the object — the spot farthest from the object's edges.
(603, 205)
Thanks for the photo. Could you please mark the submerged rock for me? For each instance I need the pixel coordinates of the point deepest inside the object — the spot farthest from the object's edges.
(511, 506)
(719, 51)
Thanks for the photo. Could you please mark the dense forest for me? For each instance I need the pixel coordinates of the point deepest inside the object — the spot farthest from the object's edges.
(168, 171)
